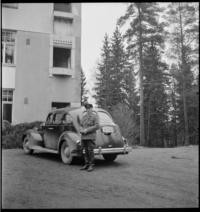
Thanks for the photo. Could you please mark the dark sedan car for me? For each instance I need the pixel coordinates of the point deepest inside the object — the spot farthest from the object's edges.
(60, 134)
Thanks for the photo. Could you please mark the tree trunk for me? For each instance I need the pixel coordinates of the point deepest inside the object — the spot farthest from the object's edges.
(174, 116)
(197, 137)
(148, 121)
(142, 133)
(183, 62)
(185, 115)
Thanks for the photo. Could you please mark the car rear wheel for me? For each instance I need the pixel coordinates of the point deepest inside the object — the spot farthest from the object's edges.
(26, 148)
(65, 153)
(110, 157)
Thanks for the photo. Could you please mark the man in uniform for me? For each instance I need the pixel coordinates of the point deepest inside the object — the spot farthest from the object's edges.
(89, 125)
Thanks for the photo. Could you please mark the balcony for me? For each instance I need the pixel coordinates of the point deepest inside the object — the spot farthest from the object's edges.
(61, 55)
(62, 71)
(61, 40)
(61, 14)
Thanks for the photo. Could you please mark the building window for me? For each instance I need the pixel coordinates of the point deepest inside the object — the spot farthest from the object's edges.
(56, 105)
(63, 7)
(10, 5)
(61, 57)
(28, 41)
(8, 47)
(7, 95)
(62, 26)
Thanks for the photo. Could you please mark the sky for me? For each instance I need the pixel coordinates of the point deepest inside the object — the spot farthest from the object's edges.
(97, 20)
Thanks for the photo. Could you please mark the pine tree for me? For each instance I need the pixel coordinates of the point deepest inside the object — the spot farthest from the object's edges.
(173, 112)
(143, 27)
(184, 33)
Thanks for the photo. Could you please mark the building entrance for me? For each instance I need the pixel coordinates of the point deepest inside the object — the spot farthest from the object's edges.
(7, 112)
(7, 97)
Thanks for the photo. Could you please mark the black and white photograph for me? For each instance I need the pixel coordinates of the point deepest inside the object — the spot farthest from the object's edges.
(100, 105)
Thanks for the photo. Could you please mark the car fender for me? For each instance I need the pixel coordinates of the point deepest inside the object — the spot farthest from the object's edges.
(34, 137)
(71, 137)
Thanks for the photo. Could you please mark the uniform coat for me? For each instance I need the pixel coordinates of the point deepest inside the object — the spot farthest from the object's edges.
(90, 123)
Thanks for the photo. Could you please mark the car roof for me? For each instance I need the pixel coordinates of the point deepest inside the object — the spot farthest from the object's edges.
(75, 110)
(62, 110)
(76, 113)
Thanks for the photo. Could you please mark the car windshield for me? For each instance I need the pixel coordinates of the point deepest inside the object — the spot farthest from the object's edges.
(104, 118)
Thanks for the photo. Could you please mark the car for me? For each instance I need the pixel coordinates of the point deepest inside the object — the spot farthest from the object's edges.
(60, 134)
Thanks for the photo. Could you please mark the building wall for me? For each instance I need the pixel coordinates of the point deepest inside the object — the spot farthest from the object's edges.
(35, 17)
(8, 77)
(35, 87)
(31, 88)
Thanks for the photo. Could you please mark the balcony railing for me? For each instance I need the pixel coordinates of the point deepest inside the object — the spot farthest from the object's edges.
(63, 14)
(62, 71)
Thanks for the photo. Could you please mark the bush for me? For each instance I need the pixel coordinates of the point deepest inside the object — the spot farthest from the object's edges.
(12, 138)
(5, 127)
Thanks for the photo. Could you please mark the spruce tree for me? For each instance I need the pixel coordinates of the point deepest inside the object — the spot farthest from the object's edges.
(155, 97)
(118, 61)
(84, 91)
(112, 73)
(102, 86)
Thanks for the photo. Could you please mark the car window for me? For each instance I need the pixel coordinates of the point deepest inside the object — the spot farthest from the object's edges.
(57, 119)
(105, 118)
(49, 119)
(67, 119)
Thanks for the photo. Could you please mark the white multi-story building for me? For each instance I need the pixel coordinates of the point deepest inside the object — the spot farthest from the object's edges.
(41, 59)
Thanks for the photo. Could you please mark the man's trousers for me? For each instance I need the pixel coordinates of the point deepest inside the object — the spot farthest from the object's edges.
(88, 146)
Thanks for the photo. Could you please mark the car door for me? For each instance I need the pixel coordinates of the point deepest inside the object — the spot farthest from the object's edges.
(53, 130)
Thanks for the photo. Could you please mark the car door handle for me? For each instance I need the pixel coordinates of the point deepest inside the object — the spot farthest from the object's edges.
(50, 128)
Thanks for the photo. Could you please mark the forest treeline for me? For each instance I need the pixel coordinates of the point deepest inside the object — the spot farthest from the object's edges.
(148, 74)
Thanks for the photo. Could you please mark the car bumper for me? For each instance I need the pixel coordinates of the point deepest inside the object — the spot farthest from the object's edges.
(122, 150)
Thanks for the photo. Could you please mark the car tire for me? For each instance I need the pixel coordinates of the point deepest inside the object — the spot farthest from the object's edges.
(65, 153)
(110, 157)
(27, 150)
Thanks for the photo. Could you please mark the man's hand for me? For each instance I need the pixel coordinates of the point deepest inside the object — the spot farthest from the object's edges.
(83, 131)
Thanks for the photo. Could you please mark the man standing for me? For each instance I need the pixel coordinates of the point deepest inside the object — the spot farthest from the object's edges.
(89, 125)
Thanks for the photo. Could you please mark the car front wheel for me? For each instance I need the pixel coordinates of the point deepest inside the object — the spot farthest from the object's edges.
(110, 157)
(65, 153)
(26, 148)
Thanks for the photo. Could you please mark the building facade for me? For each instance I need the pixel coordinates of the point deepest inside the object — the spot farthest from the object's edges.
(41, 59)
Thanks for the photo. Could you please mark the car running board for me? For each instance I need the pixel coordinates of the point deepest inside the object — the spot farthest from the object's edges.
(44, 149)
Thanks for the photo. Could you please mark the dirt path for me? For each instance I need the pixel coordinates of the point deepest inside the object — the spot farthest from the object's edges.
(146, 178)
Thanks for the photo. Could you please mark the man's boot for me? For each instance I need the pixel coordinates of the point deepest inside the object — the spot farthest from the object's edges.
(90, 168)
(84, 167)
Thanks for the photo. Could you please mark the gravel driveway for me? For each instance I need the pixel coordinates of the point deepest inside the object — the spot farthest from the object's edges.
(145, 178)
